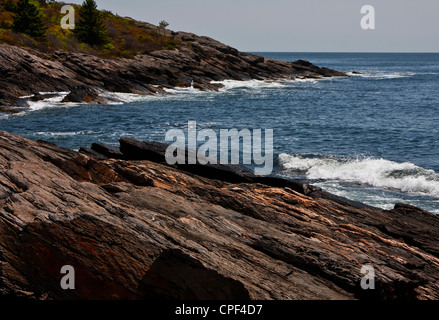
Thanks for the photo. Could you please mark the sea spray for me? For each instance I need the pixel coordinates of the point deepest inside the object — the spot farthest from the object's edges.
(382, 173)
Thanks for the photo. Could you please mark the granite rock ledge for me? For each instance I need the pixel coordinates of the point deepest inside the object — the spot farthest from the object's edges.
(134, 227)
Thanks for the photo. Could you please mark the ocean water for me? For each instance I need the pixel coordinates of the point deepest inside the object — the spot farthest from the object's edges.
(371, 137)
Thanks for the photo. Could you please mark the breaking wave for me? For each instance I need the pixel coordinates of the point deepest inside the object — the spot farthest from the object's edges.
(56, 100)
(248, 84)
(382, 75)
(119, 98)
(381, 173)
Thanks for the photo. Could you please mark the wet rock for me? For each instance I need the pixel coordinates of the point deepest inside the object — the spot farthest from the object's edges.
(92, 153)
(156, 152)
(83, 94)
(138, 150)
(39, 97)
(107, 151)
(8, 109)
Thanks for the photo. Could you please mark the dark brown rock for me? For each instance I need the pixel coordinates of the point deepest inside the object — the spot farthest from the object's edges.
(107, 151)
(137, 150)
(92, 153)
(83, 94)
(156, 152)
(127, 227)
(39, 97)
(8, 109)
(174, 269)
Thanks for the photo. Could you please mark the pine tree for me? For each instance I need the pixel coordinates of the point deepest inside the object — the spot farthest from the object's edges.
(91, 28)
(28, 20)
(10, 6)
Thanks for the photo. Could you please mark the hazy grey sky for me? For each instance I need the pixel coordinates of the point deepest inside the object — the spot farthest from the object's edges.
(295, 25)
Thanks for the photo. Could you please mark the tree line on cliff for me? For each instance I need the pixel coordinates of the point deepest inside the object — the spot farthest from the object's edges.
(36, 24)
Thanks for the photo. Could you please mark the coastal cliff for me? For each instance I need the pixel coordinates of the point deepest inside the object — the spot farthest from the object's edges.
(196, 62)
(134, 227)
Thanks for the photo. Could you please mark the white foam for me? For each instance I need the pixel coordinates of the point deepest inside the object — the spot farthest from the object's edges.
(383, 75)
(308, 80)
(381, 173)
(177, 90)
(115, 98)
(64, 93)
(248, 84)
(121, 97)
(49, 102)
(65, 134)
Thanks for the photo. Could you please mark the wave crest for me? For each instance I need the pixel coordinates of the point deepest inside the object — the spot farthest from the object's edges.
(381, 173)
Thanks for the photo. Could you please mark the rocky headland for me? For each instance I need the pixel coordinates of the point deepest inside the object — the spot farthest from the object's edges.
(134, 227)
(196, 62)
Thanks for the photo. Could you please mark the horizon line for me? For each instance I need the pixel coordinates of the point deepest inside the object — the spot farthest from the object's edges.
(262, 51)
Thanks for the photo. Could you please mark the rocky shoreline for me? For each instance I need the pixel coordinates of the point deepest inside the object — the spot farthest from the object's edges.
(134, 227)
(197, 62)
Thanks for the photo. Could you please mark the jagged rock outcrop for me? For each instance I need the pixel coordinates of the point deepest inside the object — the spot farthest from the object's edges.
(140, 229)
(196, 62)
(83, 94)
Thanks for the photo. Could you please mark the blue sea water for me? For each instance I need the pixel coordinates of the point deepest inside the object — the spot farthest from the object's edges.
(371, 137)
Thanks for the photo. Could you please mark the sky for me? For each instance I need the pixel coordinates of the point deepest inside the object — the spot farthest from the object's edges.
(295, 25)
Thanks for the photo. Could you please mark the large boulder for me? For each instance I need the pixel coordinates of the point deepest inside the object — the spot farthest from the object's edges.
(84, 94)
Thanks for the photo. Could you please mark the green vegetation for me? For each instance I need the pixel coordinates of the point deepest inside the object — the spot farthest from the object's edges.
(90, 28)
(28, 20)
(108, 35)
(10, 6)
(162, 26)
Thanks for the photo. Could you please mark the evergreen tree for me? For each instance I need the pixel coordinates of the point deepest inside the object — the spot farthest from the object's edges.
(42, 3)
(91, 28)
(28, 20)
(10, 6)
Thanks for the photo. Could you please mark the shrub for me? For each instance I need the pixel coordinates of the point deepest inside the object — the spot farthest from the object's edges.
(6, 19)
